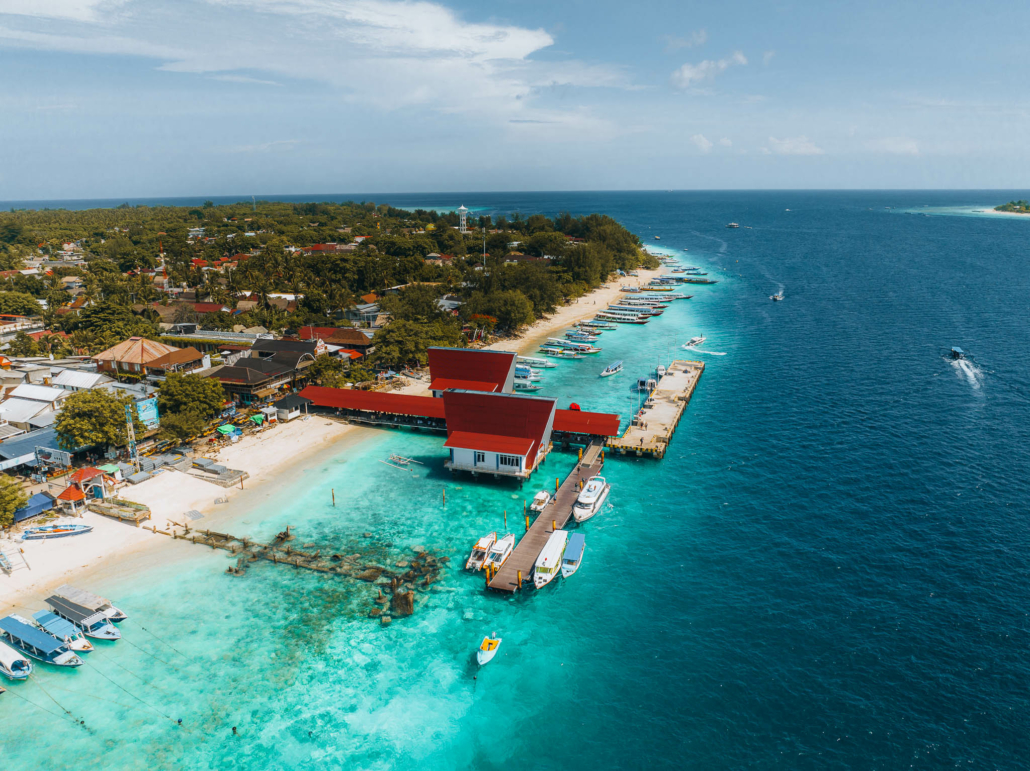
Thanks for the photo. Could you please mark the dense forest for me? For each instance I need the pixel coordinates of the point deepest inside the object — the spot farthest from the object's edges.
(1020, 207)
(503, 272)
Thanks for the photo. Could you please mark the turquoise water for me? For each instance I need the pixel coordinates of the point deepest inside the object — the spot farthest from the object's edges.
(828, 570)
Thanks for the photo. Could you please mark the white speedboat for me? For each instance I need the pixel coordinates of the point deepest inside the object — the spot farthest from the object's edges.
(479, 552)
(499, 552)
(573, 556)
(488, 649)
(660, 370)
(694, 341)
(612, 369)
(591, 499)
(646, 384)
(13, 665)
(548, 562)
(540, 501)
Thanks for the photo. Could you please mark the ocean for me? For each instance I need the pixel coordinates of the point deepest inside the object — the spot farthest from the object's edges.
(828, 570)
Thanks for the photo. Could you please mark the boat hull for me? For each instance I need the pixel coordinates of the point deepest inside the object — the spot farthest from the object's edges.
(583, 513)
(38, 535)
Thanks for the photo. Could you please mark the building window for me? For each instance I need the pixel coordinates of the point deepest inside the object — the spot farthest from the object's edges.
(480, 457)
(509, 460)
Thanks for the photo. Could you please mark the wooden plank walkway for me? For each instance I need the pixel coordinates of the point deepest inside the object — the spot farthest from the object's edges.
(559, 512)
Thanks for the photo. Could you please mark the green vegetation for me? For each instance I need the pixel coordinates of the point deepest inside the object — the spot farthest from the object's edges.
(1020, 207)
(95, 418)
(186, 403)
(12, 498)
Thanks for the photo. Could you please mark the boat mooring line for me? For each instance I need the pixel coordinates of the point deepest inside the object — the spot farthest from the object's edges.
(137, 698)
(160, 640)
(35, 679)
(49, 712)
(144, 650)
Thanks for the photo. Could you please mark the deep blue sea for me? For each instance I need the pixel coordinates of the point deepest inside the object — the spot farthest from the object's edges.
(828, 570)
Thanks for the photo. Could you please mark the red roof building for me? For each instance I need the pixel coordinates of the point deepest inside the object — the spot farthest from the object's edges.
(471, 369)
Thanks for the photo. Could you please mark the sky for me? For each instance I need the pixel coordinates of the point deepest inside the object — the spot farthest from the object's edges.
(134, 98)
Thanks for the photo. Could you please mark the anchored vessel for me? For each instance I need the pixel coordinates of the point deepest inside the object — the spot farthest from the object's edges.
(92, 623)
(479, 552)
(62, 630)
(536, 363)
(91, 601)
(13, 665)
(590, 501)
(488, 649)
(573, 556)
(36, 643)
(540, 501)
(500, 551)
(548, 562)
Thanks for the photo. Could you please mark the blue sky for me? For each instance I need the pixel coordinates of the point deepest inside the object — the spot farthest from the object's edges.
(112, 98)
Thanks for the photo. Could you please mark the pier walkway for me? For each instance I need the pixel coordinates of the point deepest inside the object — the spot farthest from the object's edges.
(651, 430)
(558, 513)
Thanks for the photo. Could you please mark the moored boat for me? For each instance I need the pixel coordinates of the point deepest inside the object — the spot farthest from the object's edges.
(91, 601)
(646, 384)
(526, 385)
(612, 369)
(499, 552)
(13, 665)
(660, 370)
(92, 623)
(540, 501)
(591, 499)
(536, 363)
(36, 643)
(488, 649)
(54, 531)
(62, 630)
(548, 562)
(573, 556)
(479, 552)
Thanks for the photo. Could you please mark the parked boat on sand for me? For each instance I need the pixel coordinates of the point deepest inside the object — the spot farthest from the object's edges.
(54, 531)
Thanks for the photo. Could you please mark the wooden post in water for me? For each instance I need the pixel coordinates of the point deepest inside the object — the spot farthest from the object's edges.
(334, 496)
(554, 525)
(520, 579)
(445, 496)
(527, 523)
(505, 519)
(556, 485)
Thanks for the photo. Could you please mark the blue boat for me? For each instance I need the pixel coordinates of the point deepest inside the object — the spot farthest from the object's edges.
(958, 353)
(36, 643)
(62, 630)
(573, 556)
(92, 623)
(54, 531)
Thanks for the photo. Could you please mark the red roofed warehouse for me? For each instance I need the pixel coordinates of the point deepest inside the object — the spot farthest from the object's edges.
(494, 433)
(471, 370)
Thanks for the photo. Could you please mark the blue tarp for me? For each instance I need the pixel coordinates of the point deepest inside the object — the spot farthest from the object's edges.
(37, 504)
(30, 635)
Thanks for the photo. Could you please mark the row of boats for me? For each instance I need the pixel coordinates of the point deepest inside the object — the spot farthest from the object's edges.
(57, 636)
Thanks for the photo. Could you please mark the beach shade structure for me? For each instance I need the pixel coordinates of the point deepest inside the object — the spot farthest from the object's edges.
(227, 430)
(258, 418)
(36, 505)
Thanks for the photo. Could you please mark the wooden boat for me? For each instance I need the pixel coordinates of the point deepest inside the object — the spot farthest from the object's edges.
(591, 499)
(488, 649)
(540, 501)
(958, 353)
(525, 385)
(536, 363)
(13, 665)
(479, 552)
(36, 643)
(612, 369)
(92, 623)
(548, 562)
(573, 556)
(54, 531)
(91, 601)
(62, 630)
(499, 552)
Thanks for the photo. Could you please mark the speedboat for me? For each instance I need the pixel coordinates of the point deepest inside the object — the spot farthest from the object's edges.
(573, 556)
(694, 341)
(612, 369)
(62, 630)
(540, 501)
(958, 353)
(13, 665)
(733, 225)
(54, 531)
(776, 297)
(92, 623)
(660, 370)
(646, 384)
(479, 552)
(548, 562)
(91, 601)
(499, 552)
(488, 649)
(591, 499)
(36, 643)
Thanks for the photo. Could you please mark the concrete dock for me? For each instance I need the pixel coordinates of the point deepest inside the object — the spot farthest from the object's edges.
(557, 513)
(651, 430)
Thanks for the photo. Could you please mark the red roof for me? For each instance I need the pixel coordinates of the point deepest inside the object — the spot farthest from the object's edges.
(504, 415)
(513, 445)
(351, 353)
(317, 333)
(46, 332)
(443, 383)
(595, 423)
(492, 370)
(71, 494)
(208, 307)
(85, 474)
(372, 401)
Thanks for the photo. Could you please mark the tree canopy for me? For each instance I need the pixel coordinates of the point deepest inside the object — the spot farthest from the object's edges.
(12, 498)
(95, 418)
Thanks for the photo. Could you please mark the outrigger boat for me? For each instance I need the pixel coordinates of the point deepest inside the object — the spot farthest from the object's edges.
(479, 552)
(548, 562)
(525, 385)
(573, 556)
(525, 373)
(92, 623)
(584, 348)
(535, 363)
(612, 369)
(62, 630)
(499, 552)
(595, 324)
(591, 499)
(96, 602)
(54, 531)
(488, 649)
(36, 643)
(13, 665)
(540, 501)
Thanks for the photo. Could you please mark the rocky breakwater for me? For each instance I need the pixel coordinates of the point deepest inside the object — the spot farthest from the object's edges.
(402, 586)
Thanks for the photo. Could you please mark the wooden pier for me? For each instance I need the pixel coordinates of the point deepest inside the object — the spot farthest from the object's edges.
(650, 432)
(555, 516)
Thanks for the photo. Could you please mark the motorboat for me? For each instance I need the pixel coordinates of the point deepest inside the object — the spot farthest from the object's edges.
(657, 238)
(595, 324)
(958, 353)
(559, 353)
(733, 225)
(536, 363)
(499, 552)
(540, 501)
(776, 297)
(91, 601)
(612, 369)
(581, 337)
(36, 643)
(700, 281)
(548, 562)
(591, 499)
(573, 556)
(13, 665)
(54, 531)
(526, 385)
(694, 341)
(660, 370)
(62, 630)
(630, 289)
(92, 623)
(525, 373)
(488, 649)
(582, 348)
(646, 384)
(479, 552)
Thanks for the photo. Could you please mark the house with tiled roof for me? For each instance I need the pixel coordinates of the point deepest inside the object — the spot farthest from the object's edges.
(131, 356)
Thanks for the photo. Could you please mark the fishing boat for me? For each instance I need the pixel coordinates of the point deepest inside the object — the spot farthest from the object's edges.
(612, 369)
(54, 531)
(548, 562)
(573, 556)
(578, 347)
(91, 601)
(700, 281)
(591, 499)
(479, 552)
(776, 297)
(694, 341)
(499, 552)
(62, 630)
(92, 623)
(630, 289)
(595, 324)
(536, 363)
(526, 385)
(559, 353)
(733, 225)
(958, 353)
(488, 649)
(540, 501)
(581, 337)
(36, 643)
(13, 665)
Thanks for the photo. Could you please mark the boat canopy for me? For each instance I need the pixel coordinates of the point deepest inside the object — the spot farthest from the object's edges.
(78, 614)
(31, 636)
(615, 364)
(575, 547)
(54, 624)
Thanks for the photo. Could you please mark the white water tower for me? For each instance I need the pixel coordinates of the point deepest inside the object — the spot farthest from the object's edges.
(462, 219)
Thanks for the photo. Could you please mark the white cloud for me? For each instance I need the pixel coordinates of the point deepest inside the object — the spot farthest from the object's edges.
(696, 38)
(725, 142)
(703, 143)
(768, 57)
(244, 79)
(800, 145)
(691, 74)
(76, 10)
(266, 147)
(894, 146)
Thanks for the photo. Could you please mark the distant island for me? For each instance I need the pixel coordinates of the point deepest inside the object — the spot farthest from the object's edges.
(1015, 207)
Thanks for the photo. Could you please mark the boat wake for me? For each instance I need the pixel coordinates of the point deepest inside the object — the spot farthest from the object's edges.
(722, 244)
(971, 373)
(710, 353)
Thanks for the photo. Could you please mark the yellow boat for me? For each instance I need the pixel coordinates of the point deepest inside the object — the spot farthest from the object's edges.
(488, 649)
